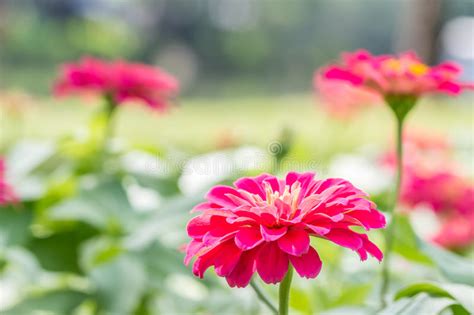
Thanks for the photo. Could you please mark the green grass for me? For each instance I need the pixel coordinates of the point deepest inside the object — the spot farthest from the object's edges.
(200, 125)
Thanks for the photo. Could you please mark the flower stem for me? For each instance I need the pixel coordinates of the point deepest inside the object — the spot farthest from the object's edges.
(284, 294)
(261, 295)
(390, 232)
(110, 107)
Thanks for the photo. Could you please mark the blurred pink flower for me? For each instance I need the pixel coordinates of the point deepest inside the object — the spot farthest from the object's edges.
(120, 80)
(424, 151)
(343, 99)
(7, 196)
(456, 232)
(263, 224)
(431, 178)
(373, 78)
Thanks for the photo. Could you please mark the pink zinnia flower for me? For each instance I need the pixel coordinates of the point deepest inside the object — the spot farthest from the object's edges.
(7, 196)
(119, 80)
(264, 224)
(363, 78)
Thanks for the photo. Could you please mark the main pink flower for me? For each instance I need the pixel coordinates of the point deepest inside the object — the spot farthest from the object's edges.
(264, 224)
(7, 196)
(363, 78)
(119, 80)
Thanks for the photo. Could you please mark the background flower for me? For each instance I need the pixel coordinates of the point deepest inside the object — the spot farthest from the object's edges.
(434, 180)
(361, 78)
(7, 195)
(119, 80)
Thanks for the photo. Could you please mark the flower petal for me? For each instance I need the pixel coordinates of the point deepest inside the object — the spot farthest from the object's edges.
(250, 185)
(270, 234)
(198, 226)
(345, 238)
(219, 195)
(294, 242)
(248, 238)
(243, 271)
(307, 265)
(272, 263)
(227, 258)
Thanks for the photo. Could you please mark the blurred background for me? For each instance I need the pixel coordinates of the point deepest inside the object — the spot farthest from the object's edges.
(225, 47)
(246, 69)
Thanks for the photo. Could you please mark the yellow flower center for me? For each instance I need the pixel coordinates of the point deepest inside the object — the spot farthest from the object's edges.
(289, 196)
(393, 64)
(418, 68)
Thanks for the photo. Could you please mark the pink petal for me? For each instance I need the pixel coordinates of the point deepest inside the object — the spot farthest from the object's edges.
(291, 177)
(192, 249)
(294, 242)
(272, 263)
(371, 248)
(345, 238)
(198, 226)
(243, 271)
(274, 183)
(450, 88)
(319, 230)
(248, 238)
(344, 75)
(270, 234)
(250, 185)
(218, 195)
(227, 258)
(308, 265)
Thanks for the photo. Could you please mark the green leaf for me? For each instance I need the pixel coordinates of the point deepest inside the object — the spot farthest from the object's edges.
(454, 267)
(406, 242)
(98, 251)
(120, 284)
(353, 310)
(461, 293)
(419, 304)
(56, 302)
(104, 206)
(14, 225)
(60, 251)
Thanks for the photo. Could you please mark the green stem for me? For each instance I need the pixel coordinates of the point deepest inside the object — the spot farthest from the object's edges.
(261, 295)
(110, 107)
(390, 232)
(284, 294)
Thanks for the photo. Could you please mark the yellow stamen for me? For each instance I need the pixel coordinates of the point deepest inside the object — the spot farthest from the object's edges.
(418, 69)
(393, 64)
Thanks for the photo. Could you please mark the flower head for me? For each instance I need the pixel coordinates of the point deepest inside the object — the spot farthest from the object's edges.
(7, 196)
(119, 80)
(264, 224)
(361, 73)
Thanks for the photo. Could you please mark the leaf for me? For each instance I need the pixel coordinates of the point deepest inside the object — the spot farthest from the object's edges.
(23, 160)
(120, 284)
(14, 226)
(461, 293)
(454, 267)
(167, 224)
(422, 303)
(104, 206)
(60, 251)
(406, 242)
(56, 302)
(353, 310)
(99, 250)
